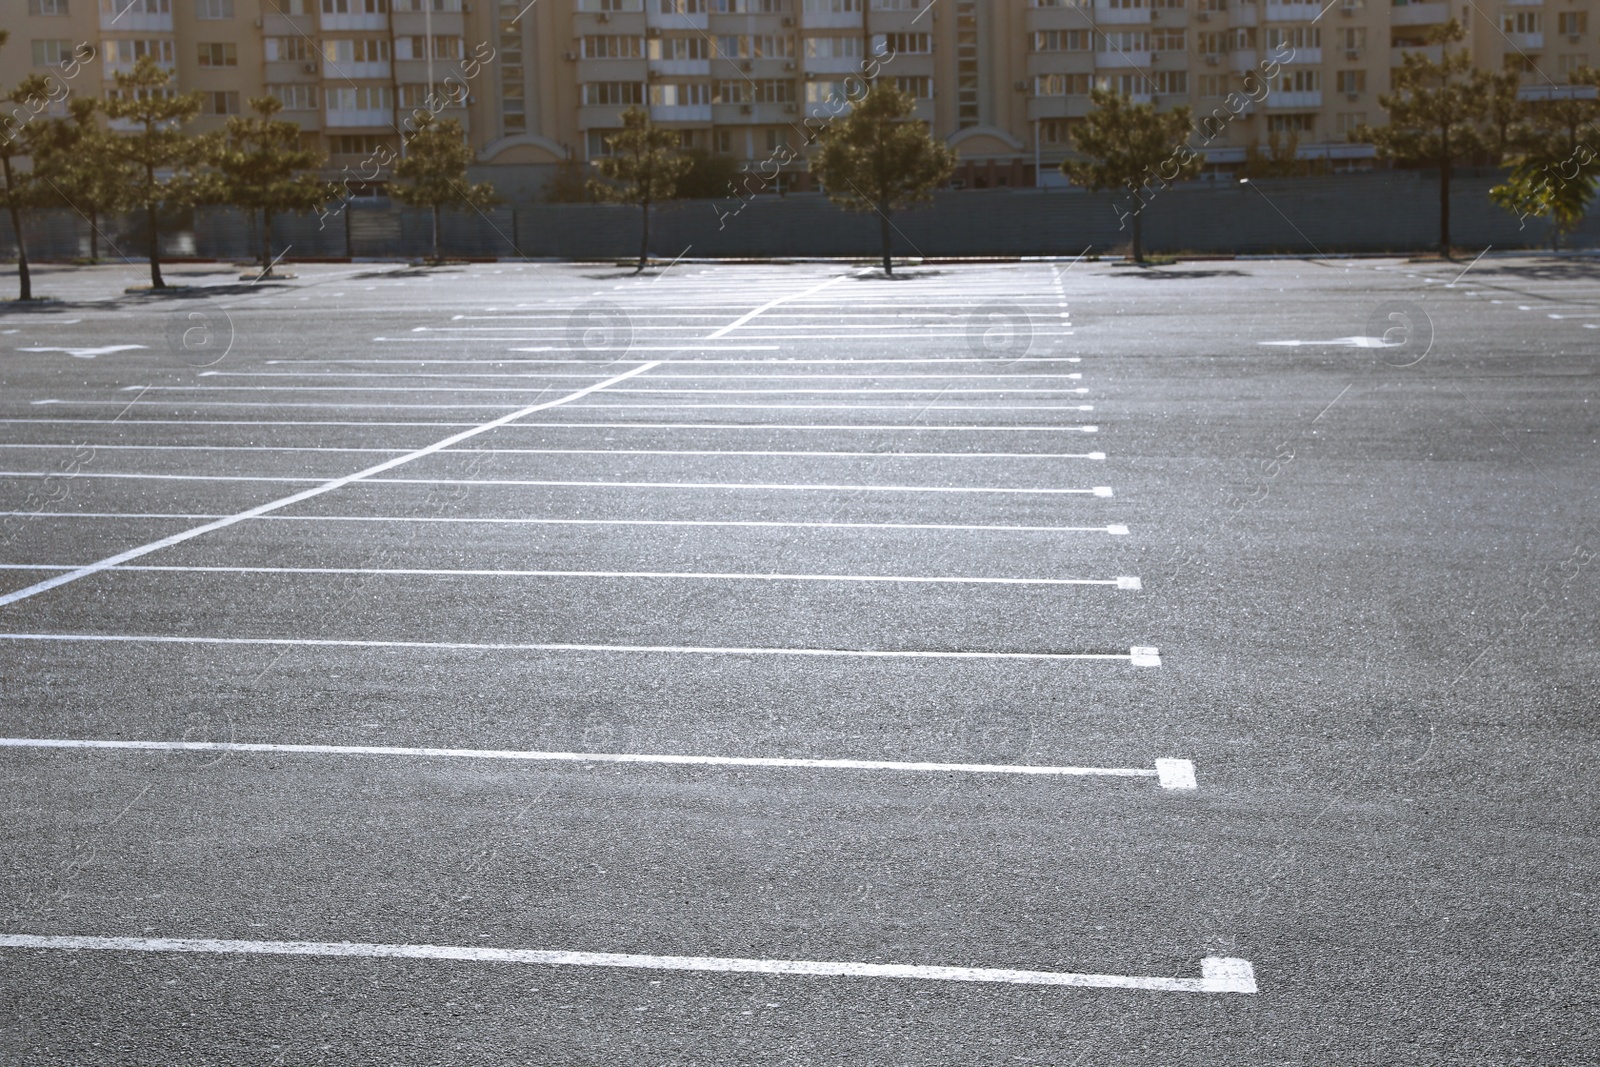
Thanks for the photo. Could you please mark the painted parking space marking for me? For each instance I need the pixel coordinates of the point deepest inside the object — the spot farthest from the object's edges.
(1175, 774)
(1219, 974)
(1138, 656)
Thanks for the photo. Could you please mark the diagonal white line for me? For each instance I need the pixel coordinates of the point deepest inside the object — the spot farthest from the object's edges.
(769, 305)
(307, 494)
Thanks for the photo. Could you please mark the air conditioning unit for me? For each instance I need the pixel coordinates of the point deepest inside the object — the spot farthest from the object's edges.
(1352, 53)
(788, 20)
(1020, 86)
(605, 16)
(309, 68)
(747, 66)
(745, 109)
(569, 55)
(789, 65)
(1213, 60)
(655, 75)
(1154, 58)
(790, 109)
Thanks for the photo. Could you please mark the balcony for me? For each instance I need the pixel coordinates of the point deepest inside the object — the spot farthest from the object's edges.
(415, 23)
(832, 65)
(1121, 60)
(677, 20)
(1292, 12)
(131, 21)
(274, 25)
(1243, 15)
(1430, 14)
(1057, 107)
(1300, 101)
(680, 68)
(832, 20)
(1527, 41)
(612, 70)
(117, 66)
(1433, 53)
(1057, 18)
(700, 113)
(1126, 16)
(356, 22)
(364, 118)
(1242, 59)
(1297, 55)
(351, 71)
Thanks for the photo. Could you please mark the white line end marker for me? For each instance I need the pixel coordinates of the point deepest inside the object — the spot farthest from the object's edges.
(1144, 656)
(1126, 582)
(1102, 490)
(1097, 455)
(1227, 974)
(1117, 530)
(1175, 774)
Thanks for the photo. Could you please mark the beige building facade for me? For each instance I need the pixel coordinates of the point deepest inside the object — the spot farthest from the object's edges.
(538, 82)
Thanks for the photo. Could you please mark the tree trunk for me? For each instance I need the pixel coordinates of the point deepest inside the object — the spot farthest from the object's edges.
(1138, 235)
(94, 235)
(155, 234)
(644, 238)
(1444, 202)
(436, 256)
(886, 234)
(266, 242)
(25, 280)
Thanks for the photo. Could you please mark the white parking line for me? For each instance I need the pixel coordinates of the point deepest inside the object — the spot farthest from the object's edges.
(97, 447)
(795, 391)
(826, 427)
(1138, 656)
(352, 405)
(894, 360)
(1178, 773)
(1124, 582)
(1220, 974)
(1115, 529)
(325, 487)
(1099, 490)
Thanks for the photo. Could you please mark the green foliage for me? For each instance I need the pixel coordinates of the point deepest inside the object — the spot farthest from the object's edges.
(1280, 159)
(261, 167)
(1134, 147)
(1555, 174)
(156, 143)
(878, 158)
(708, 177)
(570, 185)
(78, 170)
(644, 168)
(19, 189)
(645, 165)
(433, 171)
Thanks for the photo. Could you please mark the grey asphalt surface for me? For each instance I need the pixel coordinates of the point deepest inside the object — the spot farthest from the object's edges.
(1369, 571)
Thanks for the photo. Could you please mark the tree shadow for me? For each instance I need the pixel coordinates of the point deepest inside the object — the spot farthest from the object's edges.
(1156, 272)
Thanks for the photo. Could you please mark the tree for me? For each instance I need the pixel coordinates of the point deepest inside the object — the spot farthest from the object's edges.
(156, 143)
(78, 171)
(878, 158)
(18, 132)
(1134, 147)
(1555, 174)
(644, 168)
(264, 169)
(432, 171)
(569, 184)
(709, 177)
(1437, 114)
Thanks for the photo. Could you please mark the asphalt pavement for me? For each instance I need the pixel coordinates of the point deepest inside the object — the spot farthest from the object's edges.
(1054, 663)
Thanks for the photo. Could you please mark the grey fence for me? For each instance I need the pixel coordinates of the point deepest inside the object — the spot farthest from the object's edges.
(1390, 211)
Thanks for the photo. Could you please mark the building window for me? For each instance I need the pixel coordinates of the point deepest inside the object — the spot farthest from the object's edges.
(1062, 41)
(51, 53)
(1171, 82)
(967, 73)
(1523, 22)
(47, 7)
(599, 142)
(1306, 124)
(1061, 85)
(1299, 80)
(1347, 122)
(219, 55)
(1295, 37)
(832, 7)
(361, 98)
(417, 48)
(833, 47)
(1353, 38)
(1352, 81)
(683, 7)
(356, 50)
(687, 94)
(221, 103)
(613, 46)
(679, 48)
(1569, 65)
(213, 9)
(290, 50)
(130, 52)
(1169, 41)
(910, 44)
(1056, 131)
(136, 7)
(609, 94)
(286, 7)
(916, 86)
(1214, 85)
(355, 7)
(1573, 22)
(295, 97)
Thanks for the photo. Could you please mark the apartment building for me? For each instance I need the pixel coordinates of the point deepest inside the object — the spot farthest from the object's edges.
(537, 82)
